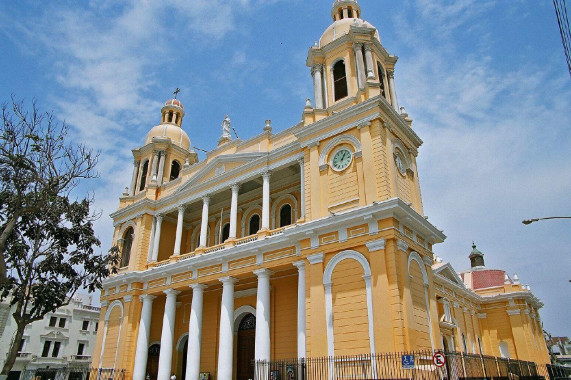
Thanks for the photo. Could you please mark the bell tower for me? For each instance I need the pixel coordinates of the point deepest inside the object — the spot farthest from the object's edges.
(349, 64)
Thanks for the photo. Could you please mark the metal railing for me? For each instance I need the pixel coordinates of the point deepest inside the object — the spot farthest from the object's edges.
(400, 365)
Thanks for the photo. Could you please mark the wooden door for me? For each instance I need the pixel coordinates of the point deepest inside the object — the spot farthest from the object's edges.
(153, 362)
(246, 346)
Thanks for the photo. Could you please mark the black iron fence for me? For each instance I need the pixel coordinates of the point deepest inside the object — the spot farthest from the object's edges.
(558, 371)
(422, 365)
(70, 373)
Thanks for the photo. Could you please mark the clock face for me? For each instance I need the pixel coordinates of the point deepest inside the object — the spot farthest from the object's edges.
(400, 164)
(342, 159)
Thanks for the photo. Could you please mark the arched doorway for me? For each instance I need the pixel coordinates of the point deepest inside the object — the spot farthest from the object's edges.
(153, 361)
(184, 354)
(246, 346)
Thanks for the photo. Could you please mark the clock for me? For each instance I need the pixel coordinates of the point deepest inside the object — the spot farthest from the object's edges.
(341, 159)
(400, 164)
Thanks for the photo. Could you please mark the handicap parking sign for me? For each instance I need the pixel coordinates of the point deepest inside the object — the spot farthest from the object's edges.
(407, 362)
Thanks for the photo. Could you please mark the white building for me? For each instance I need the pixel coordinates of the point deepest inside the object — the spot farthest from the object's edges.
(62, 341)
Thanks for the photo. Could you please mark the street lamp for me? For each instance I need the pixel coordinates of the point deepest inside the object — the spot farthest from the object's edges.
(529, 221)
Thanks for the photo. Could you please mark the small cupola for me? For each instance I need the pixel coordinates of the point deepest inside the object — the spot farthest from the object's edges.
(172, 112)
(343, 9)
(476, 257)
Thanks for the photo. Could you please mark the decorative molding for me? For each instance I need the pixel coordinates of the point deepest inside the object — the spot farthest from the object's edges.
(245, 293)
(347, 139)
(513, 311)
(482, 315)
(128, 298)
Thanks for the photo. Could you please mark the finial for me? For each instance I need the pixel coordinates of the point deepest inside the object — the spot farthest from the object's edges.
(308, 103)
(268, 126)
(473, 245)
(126, 191)
(176, 92)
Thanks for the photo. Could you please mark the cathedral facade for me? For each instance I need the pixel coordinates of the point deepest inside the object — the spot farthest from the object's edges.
(309, 242)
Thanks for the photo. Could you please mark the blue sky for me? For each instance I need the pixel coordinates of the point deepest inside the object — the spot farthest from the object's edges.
(484, 80)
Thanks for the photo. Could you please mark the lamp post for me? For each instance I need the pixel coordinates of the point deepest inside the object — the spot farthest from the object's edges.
(529, 221)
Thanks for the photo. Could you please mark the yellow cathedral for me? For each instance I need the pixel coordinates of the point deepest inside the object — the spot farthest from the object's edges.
(310, 242)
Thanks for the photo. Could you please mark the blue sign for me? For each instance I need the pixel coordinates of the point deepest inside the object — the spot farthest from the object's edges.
(407, 362)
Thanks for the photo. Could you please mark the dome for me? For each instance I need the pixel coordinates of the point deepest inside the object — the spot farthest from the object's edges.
(174, 102)
(172, 131)
(341, 27)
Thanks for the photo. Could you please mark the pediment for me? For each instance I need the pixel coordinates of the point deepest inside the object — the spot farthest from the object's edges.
(449, 273)
(220, 165)
(55, 334)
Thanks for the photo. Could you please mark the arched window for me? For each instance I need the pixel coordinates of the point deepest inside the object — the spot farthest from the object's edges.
(127, 244)
(254, 225)
(340, 80)
(144, 175)
(247, 323)
(175, 170)
(285, 215)
(170, 117)
(225, 232)
(350, 12)
(382, 79)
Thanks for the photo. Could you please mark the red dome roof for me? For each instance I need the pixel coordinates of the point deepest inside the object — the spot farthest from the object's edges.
(174, 102)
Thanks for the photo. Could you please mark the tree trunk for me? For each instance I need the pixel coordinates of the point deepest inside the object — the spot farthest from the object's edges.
(13, 352)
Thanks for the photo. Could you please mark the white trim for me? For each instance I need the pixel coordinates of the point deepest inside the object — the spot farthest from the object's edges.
(513, 312)
(348, 139)
(240, 313)
(180, 342)
(111, 307)
(315, 258)
(327, 283)
(124, 228)
(376, 245)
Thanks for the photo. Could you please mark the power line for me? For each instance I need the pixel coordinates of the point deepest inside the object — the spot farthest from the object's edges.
(563, 21)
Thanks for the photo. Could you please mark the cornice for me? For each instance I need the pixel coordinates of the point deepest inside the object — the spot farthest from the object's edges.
(290, 235)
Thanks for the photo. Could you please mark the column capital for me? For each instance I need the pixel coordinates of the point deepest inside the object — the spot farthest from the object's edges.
(171, 292)
(368, 47)
(235, 187)
(159, 217)
(358, 46)
(402, 245)
(206, 199)
(198, 287)
(300, 161)
(156, 153)
(266, 175)
(228, 280)
(147, 298)
(391, 73)
(315, 258)
(316, 67)
(263, 272)
(376, 245)
(181, 208)
(300, 265)
(136, 162)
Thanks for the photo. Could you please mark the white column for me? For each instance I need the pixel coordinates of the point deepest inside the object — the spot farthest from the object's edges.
(263, 315)
(329, 319)
(154, 165)
(204, 225)
(179, 225)
(358, 48)
(157, 240)
(266, 201)
(392, 91)
(142, 351)
(302, 178)
(152, 241)
(167, 335)
(370, 63)
(226, 343)
(161, 167)
(234, 211)
(317, 85)
(195, 332)
(301, 349)
(134, 178)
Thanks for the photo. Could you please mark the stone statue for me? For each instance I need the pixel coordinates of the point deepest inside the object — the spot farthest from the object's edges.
(226, 136)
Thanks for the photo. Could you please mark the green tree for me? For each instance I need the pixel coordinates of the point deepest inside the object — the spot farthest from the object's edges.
(47, 241)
